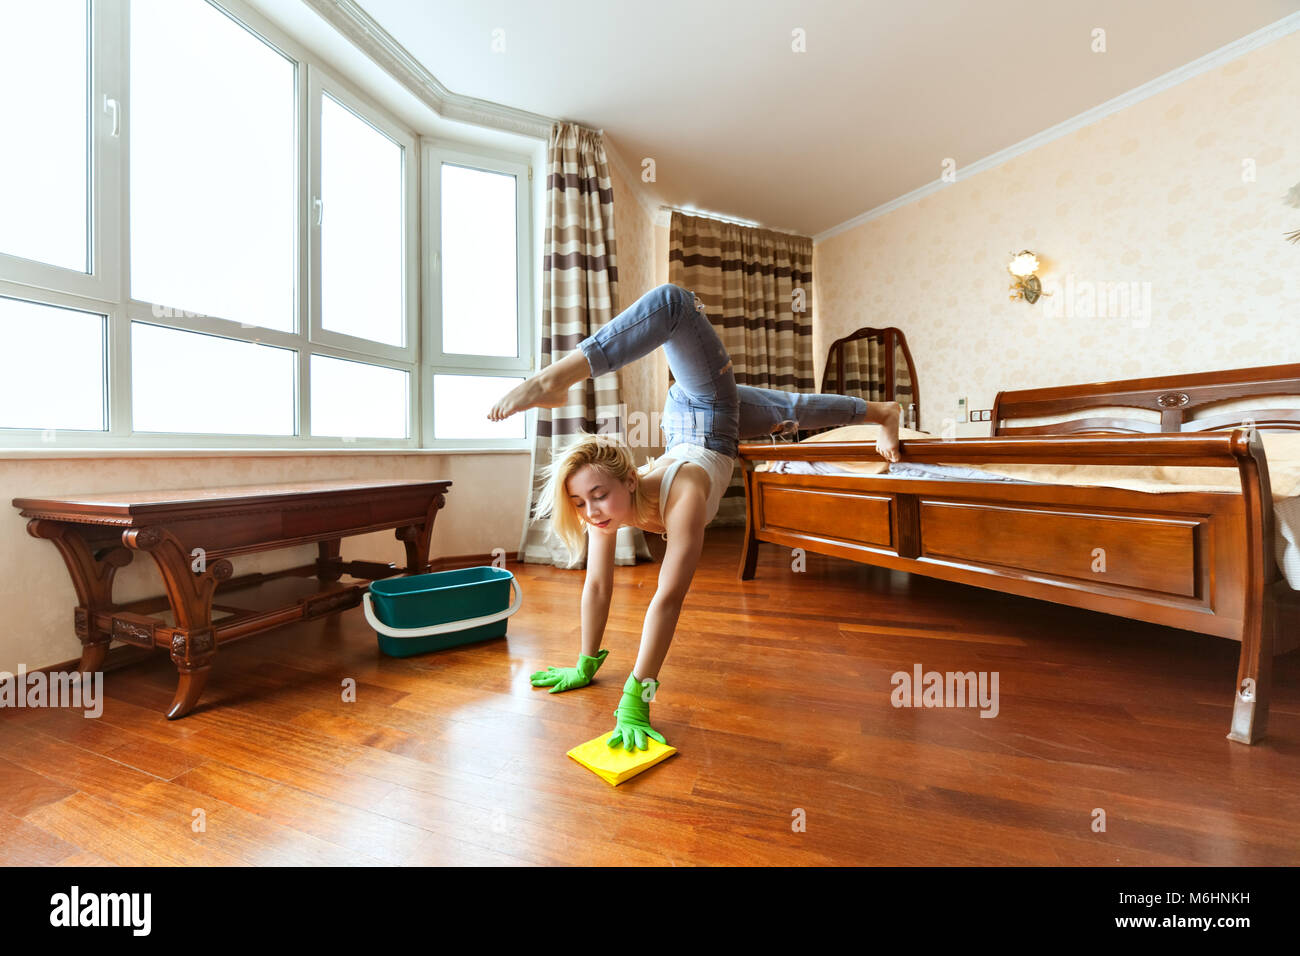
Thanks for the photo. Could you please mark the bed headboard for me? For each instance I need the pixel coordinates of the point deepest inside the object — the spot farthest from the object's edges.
(1172, 403)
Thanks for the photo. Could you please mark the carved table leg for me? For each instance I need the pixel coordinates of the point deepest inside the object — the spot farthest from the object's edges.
(416, 537)
(92, 578)
(192, 654)
(327, 560)
(193, 640)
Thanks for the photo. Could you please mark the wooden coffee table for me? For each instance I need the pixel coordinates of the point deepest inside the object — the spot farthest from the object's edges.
(191, 533)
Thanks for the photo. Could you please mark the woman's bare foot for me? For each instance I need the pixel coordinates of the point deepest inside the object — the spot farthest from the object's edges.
(887, 440)
(549, 388)
(534, 393)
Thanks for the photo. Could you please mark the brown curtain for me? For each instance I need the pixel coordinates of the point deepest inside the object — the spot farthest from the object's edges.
(867, 368)
(756, 285)
(579, 295)
(866, 371)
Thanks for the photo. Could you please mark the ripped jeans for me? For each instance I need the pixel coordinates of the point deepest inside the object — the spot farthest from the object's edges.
(705, 406)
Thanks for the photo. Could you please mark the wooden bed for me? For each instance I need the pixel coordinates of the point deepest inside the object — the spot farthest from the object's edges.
(1199, 560)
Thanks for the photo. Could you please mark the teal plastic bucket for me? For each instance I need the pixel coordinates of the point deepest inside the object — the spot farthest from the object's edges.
(431, 612)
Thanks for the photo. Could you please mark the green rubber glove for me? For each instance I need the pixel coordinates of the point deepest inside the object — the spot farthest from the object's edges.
(633, 713)
(567, 678)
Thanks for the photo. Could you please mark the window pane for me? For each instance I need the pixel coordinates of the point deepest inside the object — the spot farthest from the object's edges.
(32, 395)
(480, 312)
(44, 163)
(212, 166)
(461, 404)
(190, 382)
(361, 253)
(355, 400)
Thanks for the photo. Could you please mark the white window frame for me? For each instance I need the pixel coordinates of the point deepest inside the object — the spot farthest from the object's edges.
(412, 401)
(106, 290)
(61, 300)
(436, 362)
(136, 310)
(107, 53)
(321, 83)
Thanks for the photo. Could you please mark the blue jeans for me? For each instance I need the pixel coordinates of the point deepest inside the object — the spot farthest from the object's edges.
(705, 406)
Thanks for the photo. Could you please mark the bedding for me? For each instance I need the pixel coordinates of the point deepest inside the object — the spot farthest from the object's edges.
(1282, 450)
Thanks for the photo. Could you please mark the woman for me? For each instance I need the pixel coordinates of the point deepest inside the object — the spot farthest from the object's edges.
(594, 484)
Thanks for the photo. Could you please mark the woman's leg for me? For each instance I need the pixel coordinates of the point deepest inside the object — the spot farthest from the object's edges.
(763, 408)
(667, 316)
(674, 318)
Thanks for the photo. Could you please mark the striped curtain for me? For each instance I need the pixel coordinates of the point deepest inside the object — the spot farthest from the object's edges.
(579, 295)
(867, 369)
(864, 369)
(757, 288)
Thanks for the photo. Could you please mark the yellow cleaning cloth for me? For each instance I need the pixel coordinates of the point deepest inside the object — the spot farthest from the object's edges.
(614, 764)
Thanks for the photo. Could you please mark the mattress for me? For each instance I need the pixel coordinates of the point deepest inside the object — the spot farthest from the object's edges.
(1282, 451)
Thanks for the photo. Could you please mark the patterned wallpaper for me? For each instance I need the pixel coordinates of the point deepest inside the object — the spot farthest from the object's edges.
(1159, 229)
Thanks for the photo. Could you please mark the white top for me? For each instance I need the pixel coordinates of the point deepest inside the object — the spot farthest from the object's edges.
(719, 466)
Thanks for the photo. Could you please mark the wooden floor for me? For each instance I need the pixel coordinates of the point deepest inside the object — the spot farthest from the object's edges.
(776, 692)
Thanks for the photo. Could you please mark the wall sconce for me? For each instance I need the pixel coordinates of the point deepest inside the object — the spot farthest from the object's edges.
(1023, 265)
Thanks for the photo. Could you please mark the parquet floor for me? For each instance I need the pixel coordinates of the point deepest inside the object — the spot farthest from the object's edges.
(777, 693)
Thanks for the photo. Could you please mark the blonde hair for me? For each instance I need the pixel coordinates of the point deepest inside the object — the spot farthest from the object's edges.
(609, 456)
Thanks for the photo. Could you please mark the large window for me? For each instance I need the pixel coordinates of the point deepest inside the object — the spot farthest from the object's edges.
(211, 239)
(213, 214)
(475, 215)
(45, 180)
(71, 340)
(480, 293)
(362, 255)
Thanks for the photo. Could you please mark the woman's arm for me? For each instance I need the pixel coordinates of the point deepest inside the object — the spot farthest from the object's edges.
(598, 589)
(684, 519)
(596, 592)
(595, 613)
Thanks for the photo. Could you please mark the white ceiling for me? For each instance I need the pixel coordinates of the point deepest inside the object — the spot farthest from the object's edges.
(740, 125)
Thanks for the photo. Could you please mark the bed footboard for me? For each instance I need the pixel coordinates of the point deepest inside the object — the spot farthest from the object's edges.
(1200, 561)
